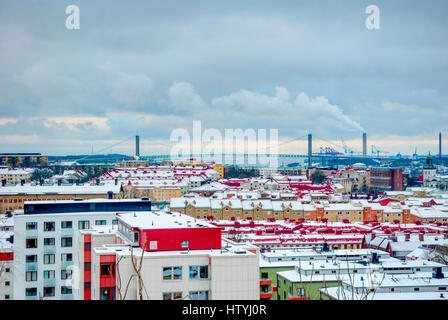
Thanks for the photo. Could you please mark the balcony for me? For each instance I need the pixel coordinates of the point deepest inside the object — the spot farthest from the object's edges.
(66, 264)
(50, 249)
(31, 233)
(264, 282)
(31, 266)
(66, 232)
(50, 282)
(298, 298)
(67, 296)
(266, 295)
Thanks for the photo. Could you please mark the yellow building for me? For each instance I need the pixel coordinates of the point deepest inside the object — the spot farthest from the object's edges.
(13, 197)
(14, 176)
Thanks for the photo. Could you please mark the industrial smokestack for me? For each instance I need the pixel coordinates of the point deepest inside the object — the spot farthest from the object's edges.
(310, 150)
(440, 144)
(364, 144)
(137, 145)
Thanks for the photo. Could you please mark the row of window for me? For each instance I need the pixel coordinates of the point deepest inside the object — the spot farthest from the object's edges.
(31, 243)
(48, 291)
(195, 272)
(51, 226)
(48, 274)
(49, 258)
(193, 295)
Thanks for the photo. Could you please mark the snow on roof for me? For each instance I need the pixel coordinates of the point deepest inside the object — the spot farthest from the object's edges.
(62, 189)
(161, 220)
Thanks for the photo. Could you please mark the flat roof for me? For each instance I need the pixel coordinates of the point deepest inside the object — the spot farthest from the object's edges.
(161, 220)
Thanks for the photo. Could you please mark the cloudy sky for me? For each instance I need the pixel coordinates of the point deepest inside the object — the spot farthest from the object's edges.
(154, 66)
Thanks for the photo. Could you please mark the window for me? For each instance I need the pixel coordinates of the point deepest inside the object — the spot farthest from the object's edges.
(49, 291)
(107, 294)
(66, 224)
(31, 276)
(66, 290)
(87, 246)
(48, 274)
(7, 283)
(87, 285)
(31, 243)
(198, 272)
(49, 226)
(66, 274)
(7, 297)
(185, 244)
(172, 273)
(442, 288)
(7, 270)
(66, 257)
(66, 242)
(31, 226)
(172, 296)
(87, 266)
(264, 275)
(84, 224)
(48, 258)
(100, 222)
(31, 258)
(107, 269)
(199, 295)
(115, 221)
(30, 292)
(48, 241)
(416, 289)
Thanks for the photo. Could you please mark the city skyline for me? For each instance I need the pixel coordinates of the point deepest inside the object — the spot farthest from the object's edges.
(152, 68)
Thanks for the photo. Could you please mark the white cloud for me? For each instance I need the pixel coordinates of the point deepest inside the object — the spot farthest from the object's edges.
(184, 98)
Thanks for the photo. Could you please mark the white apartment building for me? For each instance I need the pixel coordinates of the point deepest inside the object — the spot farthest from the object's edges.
(46, 239)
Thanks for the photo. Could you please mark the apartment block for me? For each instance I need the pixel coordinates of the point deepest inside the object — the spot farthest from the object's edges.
(46, 240)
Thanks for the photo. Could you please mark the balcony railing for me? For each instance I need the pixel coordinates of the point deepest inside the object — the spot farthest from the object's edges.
(67, 296)
(31, 266)
(50, 282)
(31, 233)
(66, 264)
(66, 232)
(50, 249)
(265, 282)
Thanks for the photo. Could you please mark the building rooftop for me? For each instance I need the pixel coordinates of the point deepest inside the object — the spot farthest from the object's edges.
(161, 220)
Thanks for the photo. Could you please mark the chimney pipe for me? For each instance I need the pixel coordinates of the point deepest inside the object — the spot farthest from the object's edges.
(310, 150)
(137, 145)
(3, 182)
(364, 144)
(440, 144)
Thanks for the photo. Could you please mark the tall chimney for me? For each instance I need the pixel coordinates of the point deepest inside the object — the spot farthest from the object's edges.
(440, 144)
(137, 145)
(364, 144)
(310, 150)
